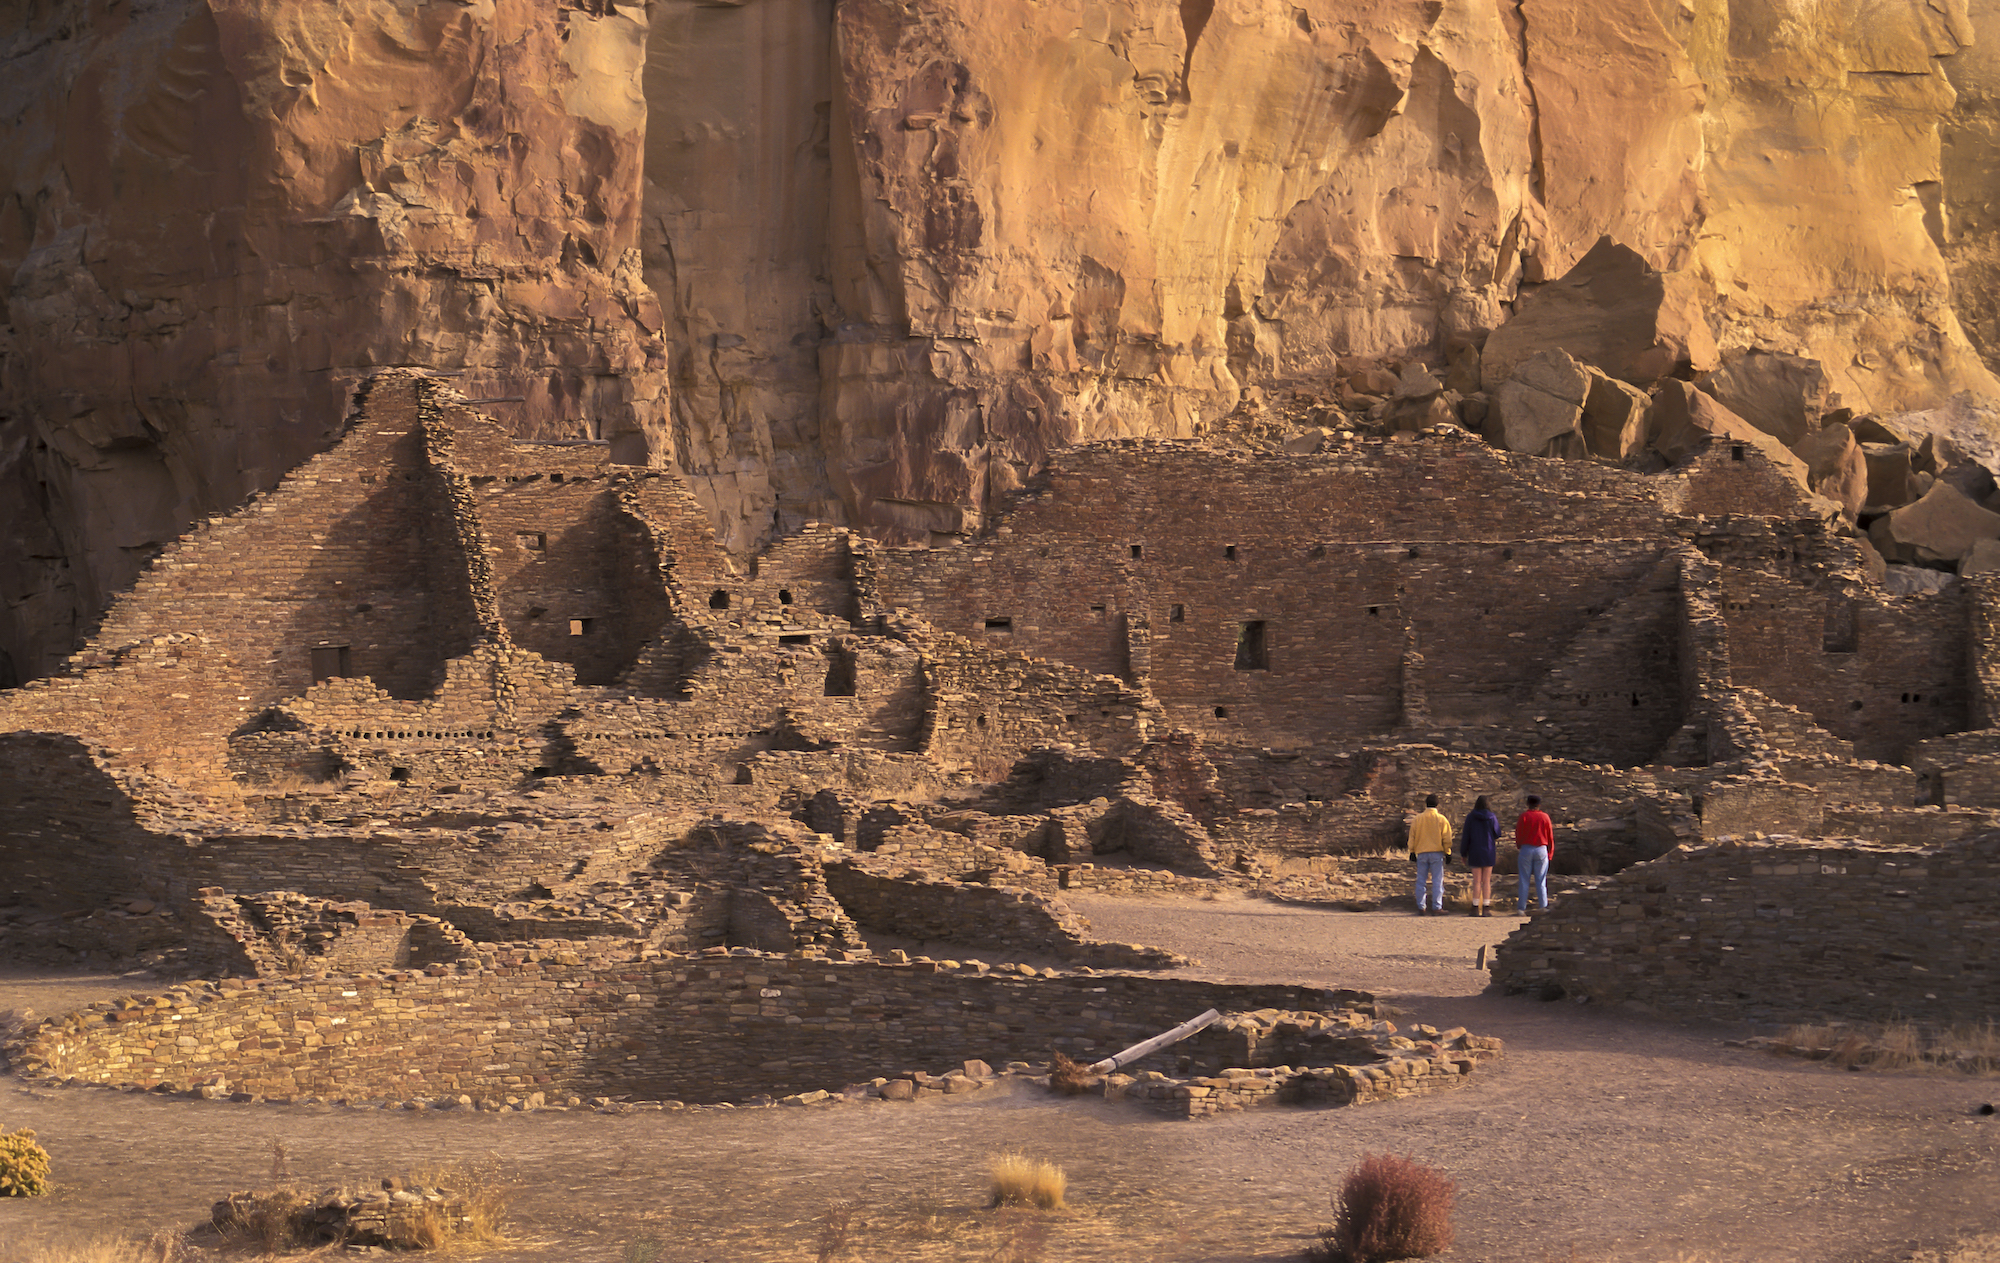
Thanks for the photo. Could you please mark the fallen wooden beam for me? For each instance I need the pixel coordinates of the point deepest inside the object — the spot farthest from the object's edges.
(1154, 1044)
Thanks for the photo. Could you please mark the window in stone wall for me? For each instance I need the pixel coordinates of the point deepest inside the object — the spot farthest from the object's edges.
(330, 662)
(1736, 451)
(1097, 612)
(1138, 552)
(1000, 626)
(1229, 552)
(839, 673)
(579, 626)
(1177, 613)
(1841, 632)
(1253, 651)
(784, 596)
(533, 541)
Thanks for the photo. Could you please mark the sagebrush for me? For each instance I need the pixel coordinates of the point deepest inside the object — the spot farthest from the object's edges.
(24, 1165)
(1390, 1207)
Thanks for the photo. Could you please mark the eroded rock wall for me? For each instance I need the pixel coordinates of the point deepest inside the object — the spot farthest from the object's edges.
(217, 216)
(872, 262)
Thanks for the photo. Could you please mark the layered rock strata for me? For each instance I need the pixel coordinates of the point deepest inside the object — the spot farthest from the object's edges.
(871, 264)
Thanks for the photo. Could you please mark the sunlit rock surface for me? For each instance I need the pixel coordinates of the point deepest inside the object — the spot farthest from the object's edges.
(871, 266)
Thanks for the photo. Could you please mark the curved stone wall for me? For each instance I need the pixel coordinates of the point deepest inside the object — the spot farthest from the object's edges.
(691, 1028)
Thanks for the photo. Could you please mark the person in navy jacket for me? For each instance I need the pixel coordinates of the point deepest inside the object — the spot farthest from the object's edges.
(1478, 844)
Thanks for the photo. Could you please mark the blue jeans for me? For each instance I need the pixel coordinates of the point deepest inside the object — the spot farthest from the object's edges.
(1430, 872)
(1534, 875)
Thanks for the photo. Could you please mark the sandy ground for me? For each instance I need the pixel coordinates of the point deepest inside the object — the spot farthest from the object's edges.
(1600, 1136)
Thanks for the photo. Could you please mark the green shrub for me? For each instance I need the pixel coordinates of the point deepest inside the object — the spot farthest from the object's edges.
(24, 1165)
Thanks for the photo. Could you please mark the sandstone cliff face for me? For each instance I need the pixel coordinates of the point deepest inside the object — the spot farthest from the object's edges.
(871, 261)
(215, 218)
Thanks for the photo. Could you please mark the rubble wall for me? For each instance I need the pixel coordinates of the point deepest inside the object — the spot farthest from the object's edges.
(685, 1028)
(1779, 932)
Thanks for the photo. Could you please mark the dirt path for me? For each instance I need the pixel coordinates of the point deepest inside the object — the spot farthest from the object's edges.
(1618, 1138)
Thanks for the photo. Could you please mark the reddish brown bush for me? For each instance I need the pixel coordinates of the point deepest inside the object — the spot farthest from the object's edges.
(1390, 1208)
(1068, 1077)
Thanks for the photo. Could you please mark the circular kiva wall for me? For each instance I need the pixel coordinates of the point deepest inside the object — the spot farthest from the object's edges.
(692, 1028)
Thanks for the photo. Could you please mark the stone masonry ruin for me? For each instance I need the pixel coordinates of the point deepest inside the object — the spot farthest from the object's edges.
(472, 717)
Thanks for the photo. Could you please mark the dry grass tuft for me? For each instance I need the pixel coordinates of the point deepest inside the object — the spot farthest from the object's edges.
(1968, 1047)
(1390, 1207)
(1019, 1180)
(836, 1222)
(483, 1195)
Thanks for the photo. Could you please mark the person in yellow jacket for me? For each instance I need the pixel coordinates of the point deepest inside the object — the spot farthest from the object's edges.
(1430, 843)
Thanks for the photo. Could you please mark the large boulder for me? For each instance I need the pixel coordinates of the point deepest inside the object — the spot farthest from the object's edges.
(1782, 395)
(1891, 474)
(1836, 467)
(1611, 310)
(1939, 529)
(1539, 408)
(1683, 418)
(1614, 417)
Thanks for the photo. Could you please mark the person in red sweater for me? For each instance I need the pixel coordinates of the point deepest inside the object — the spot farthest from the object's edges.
(1535, 841)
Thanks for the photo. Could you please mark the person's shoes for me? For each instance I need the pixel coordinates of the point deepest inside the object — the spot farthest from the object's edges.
(1474, 912)
(1485, 910)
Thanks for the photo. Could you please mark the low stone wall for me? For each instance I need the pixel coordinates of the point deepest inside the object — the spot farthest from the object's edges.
(693, 1028)
(1910, 826)
(1779, 932)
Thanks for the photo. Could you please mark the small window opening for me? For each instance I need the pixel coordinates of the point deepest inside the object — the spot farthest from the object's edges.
(1252, 649)
(536, 611)
(1177, 613)
(1506, 554)
(981, 721)
(1097, 612)
(1840, 631)
(533, 541)
(579, 627)
(839, 675)
(555, 477)
(539, 772)
(1854, 706)
(330, 662)
(1635, 699)
(795, 640)
(718, 600)
(1222, 712)
(1736, 451)
(1005, 625)
(363, 608)
(1229, 552)
(399, 774)
(784, 596)
(1138, 551)
(1416, 552)
(1374, 611)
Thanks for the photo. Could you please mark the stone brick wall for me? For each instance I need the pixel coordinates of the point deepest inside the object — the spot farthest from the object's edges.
(1167, 551)
(704, 1028)
(1780, 932)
